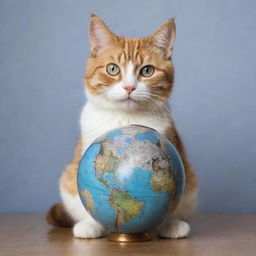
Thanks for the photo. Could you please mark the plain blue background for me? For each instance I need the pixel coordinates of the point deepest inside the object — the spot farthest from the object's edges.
(44, 46)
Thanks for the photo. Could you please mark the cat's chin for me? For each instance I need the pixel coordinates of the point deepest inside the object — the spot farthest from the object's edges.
(124, 105)
(129, 105)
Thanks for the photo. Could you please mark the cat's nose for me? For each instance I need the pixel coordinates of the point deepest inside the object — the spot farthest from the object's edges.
(129, 88)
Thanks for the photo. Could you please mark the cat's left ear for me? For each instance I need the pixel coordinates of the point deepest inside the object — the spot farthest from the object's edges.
(164, 37)
(100, 35)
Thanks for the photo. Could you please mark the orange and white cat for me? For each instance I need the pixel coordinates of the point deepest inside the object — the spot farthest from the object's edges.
(128, 81)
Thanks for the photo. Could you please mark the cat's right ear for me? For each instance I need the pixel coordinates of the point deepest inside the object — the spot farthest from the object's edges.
(100, 35)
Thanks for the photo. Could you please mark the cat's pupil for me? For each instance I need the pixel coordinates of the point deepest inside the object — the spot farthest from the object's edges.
(113, 69)
(147, 71)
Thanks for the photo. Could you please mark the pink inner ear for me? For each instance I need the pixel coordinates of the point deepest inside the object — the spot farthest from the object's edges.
(100, 36)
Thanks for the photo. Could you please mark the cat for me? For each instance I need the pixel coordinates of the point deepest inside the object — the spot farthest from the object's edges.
(128, 81)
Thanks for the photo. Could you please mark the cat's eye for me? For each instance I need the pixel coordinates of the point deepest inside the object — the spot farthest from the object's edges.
(113, 69)
(147, 71)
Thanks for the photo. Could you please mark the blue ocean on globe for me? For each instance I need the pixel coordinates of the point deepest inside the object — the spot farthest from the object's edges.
(129, 177)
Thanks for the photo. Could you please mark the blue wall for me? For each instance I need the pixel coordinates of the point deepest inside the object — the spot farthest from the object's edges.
(44, 46)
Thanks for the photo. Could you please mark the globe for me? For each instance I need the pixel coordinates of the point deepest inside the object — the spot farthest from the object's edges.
(129, 178)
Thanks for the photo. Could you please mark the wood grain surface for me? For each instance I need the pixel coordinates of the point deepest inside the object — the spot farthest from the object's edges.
(213, 234)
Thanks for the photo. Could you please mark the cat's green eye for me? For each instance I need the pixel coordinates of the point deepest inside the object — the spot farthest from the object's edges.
(147, 71)
(113, 69)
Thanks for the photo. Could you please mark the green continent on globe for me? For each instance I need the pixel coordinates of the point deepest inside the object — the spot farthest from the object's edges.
(162, 179)
(126, 207)
(89, 205)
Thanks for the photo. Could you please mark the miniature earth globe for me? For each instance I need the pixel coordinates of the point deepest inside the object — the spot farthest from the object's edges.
(129, 178)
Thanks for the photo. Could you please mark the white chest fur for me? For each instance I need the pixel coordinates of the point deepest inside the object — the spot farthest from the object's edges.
(96, 121)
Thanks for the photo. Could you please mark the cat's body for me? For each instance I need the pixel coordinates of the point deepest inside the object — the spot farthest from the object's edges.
(118, 97)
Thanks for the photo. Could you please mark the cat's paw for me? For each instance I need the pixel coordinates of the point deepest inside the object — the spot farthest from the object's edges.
(88, 229)
(174, 228)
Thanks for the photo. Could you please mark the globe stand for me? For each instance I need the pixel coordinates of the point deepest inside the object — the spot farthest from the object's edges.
(129, 237)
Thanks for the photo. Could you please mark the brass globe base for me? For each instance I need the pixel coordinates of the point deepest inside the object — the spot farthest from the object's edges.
(129, 237)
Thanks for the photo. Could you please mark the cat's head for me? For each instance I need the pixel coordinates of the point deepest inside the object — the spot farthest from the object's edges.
(130, 73)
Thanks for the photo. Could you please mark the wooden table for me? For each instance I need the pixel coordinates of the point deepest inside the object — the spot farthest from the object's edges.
(222, 234)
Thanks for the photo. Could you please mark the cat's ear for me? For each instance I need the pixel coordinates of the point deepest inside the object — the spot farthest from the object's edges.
(100, 35)
(164, 37)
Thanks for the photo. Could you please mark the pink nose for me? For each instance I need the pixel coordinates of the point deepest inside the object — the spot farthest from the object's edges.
(129, 88)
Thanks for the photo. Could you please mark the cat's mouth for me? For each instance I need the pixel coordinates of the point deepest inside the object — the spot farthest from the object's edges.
(128, 99)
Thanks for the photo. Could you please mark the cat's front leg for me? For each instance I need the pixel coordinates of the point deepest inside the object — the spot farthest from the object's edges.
(88, 228)
(173, 228)
(176, 224)
(84, 225)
